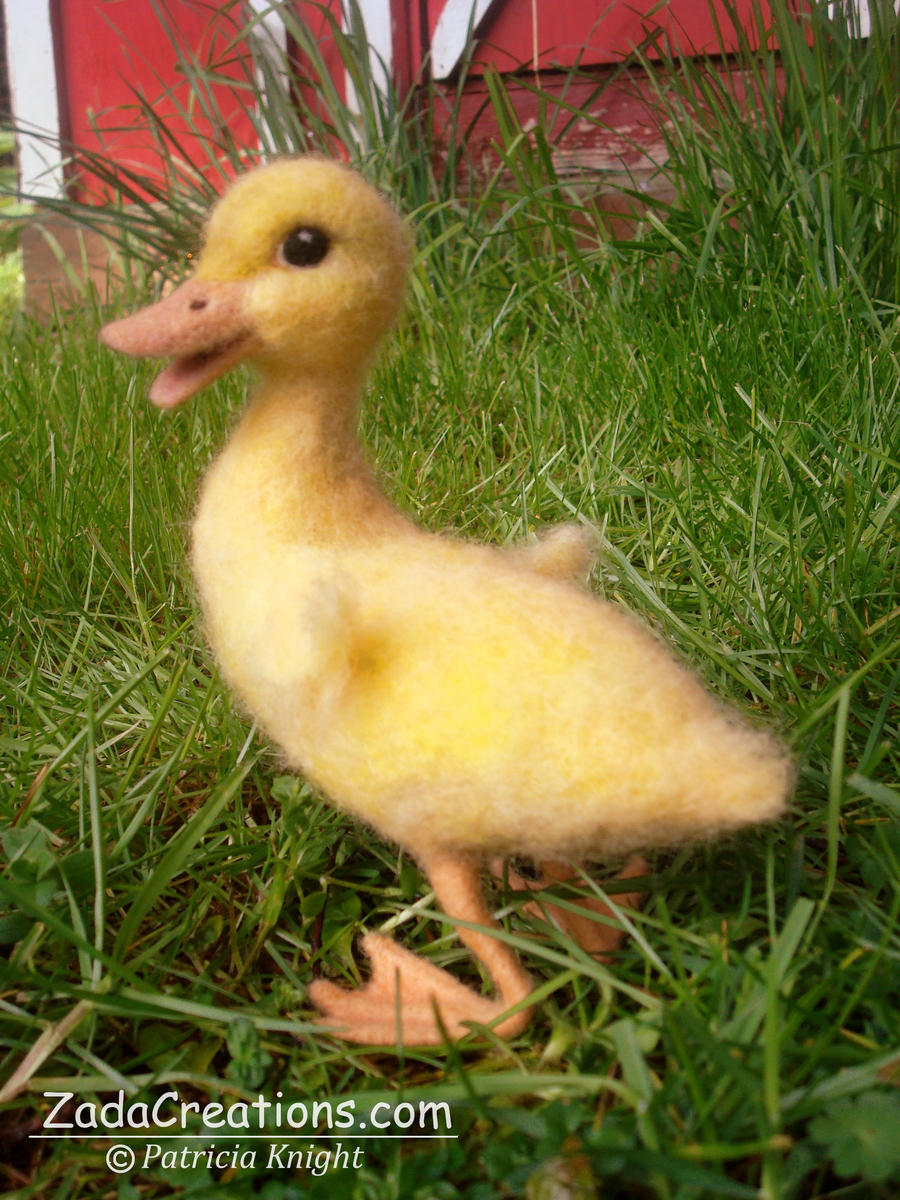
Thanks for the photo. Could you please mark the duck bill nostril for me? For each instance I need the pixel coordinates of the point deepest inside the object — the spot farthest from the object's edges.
(161, 330)
(201, 325)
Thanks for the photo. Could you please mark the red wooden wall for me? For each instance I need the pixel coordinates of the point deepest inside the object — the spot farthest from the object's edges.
(520, 37)
(550, 36)
(110, 54)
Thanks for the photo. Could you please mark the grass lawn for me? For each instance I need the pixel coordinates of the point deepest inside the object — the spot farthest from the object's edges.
(719, 397)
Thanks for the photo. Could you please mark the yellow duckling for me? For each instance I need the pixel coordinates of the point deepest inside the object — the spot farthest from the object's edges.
(468, 702)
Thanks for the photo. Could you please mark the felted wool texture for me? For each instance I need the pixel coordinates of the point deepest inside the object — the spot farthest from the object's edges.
(401, 981)
(451, 695)
(193, 315)
(461, 699)
(203, 327)
(344, 305)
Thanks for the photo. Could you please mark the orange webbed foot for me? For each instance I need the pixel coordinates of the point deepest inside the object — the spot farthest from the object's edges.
(594, 928)
(410, 1001)
(401, 1001)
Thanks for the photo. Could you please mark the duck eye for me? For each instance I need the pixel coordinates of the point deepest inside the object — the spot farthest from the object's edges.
(304, 246)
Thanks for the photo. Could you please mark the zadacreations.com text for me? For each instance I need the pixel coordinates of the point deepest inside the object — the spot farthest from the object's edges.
(170, 1132)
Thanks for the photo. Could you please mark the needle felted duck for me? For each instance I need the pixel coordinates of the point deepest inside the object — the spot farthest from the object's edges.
(468, 702)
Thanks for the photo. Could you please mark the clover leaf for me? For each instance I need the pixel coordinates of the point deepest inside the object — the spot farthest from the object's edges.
(861, 1135)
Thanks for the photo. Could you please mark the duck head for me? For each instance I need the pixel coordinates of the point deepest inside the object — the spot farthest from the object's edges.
(303, 270)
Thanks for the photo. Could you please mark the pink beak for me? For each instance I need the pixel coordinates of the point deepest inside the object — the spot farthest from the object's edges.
(201, 326)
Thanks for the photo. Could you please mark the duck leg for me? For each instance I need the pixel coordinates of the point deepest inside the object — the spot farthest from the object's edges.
(399, 1002)
(597, 937)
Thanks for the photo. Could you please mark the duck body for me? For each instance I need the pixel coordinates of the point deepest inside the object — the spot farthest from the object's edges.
(411, 675)
(466, 701)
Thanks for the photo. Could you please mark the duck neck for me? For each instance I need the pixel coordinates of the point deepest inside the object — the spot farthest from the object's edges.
(296, 461)
(313, 423)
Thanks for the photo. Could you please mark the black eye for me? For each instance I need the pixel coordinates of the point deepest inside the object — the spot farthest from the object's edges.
(304, 246)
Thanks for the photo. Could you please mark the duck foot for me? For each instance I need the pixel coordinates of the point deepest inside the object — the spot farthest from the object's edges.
(599, 937)
(402, 999)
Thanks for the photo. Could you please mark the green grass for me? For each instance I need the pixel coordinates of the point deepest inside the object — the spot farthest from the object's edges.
(726, 416)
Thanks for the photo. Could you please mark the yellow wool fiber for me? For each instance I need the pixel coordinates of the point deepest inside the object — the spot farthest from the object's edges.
(466, 701)
(452, 695)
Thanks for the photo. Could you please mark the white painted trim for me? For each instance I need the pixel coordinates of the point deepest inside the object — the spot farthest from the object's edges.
(376, 16)
(458, 22)
(35, 100)
(270, 41)
(858, 14)
(270, 32)
(376, 19)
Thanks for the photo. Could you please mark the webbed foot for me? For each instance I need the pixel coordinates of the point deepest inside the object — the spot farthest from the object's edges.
(594, 927)
(401, 1001)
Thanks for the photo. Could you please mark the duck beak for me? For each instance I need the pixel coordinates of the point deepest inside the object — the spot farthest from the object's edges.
(201, 326)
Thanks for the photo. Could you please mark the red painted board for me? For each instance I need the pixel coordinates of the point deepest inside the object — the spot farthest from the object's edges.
(550, 35)
(110, 53)
(619, 128)
(315, 52)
